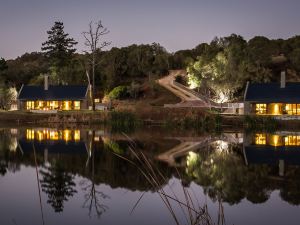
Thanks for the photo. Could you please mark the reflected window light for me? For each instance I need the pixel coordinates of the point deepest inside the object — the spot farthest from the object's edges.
(29, 134)
(40, 136)
(53, 135)
(260, 139)
(77, 135)
(292, 141)
(275, 140)
(66, 135)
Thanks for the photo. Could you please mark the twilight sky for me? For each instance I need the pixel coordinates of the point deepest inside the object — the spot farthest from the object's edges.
(175, 24)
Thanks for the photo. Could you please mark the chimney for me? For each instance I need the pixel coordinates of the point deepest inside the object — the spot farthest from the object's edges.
(46, 82)
(282, 79)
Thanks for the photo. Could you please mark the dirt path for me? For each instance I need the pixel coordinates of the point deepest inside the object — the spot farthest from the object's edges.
(187, 98)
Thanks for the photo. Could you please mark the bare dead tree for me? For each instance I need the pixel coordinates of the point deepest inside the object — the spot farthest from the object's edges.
(93, 197)
(94, 43)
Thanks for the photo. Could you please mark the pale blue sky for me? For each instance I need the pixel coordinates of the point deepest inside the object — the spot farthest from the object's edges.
(172, 23)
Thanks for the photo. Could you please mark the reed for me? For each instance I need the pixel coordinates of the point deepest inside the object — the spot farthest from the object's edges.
(123, 121)
(194, 214)
(257, 123)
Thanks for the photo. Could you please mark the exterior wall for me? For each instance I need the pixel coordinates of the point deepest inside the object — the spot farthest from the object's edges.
(247, 108)
(21, 105)
(84, 104)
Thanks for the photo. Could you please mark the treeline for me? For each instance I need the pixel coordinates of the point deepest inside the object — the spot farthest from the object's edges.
(114, 67)
(221, 67)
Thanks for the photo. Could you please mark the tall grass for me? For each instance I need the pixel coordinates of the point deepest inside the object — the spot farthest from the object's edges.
(194, 214)
(206, 122)
(257, 123)
(123, 121)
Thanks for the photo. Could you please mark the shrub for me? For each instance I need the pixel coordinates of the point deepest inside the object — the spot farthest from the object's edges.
(119, 92)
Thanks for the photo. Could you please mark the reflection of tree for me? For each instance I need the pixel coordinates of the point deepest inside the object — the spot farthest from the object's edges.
(93, 197)
(3, 167)
(58, 184)
(225, 177)
(290, 191)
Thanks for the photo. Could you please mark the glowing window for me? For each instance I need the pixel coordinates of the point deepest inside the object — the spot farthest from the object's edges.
(260, 139)
(76, 105)
(29, 105)
(53, 105)
(40, 104)
(292, 109)
(66, 105)
(261, 108)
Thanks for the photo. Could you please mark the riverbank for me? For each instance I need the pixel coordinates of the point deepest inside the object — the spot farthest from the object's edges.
(181, 118)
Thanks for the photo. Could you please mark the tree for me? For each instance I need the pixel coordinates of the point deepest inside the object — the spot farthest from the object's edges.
(3, 65)
(95, 44)
(59, 47)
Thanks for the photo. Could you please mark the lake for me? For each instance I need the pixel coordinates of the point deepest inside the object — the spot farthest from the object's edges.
(149, 176)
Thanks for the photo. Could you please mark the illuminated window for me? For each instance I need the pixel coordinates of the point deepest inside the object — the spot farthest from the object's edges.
(29, 105)
(261, 108)
(260, 139)
(53, 105)
(66, 105)
(292, 109)
(76, 105)
(40, 104)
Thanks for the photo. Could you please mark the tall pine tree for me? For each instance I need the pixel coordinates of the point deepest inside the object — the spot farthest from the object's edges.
(59, 47)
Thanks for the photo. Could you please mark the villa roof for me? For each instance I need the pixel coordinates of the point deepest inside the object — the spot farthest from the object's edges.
(67, 92)
(272, 93)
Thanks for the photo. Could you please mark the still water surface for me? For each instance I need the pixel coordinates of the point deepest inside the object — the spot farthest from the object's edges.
(80, 176)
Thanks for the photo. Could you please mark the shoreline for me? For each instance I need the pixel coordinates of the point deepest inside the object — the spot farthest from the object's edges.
(162, 117)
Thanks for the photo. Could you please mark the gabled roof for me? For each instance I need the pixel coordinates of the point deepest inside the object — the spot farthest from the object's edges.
(272, 93)
(67, 92)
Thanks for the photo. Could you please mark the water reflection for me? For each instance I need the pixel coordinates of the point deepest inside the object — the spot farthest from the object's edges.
(63, 154)
(58, 184)
(252, 170)
(230, 167)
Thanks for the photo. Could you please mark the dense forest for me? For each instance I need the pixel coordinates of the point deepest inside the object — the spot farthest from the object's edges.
(220, 68)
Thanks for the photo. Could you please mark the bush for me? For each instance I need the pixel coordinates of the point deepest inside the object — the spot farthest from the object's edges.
(119, 92)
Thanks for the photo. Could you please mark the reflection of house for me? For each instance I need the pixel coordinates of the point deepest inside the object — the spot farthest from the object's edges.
(273, 98)
(54, 141)
(272, 149)
(58, 97)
